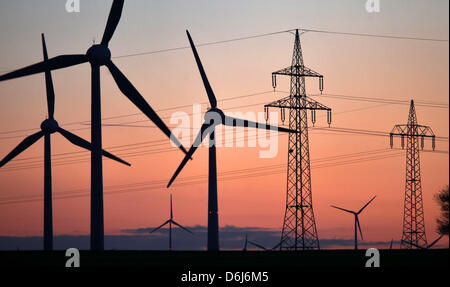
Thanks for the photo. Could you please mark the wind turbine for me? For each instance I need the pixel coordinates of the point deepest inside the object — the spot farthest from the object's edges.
(48, 127)
(424, 247)
(98, 55)
(213, 117)
(251, 243)
(257, 245)
(357, 226)
(170, 221)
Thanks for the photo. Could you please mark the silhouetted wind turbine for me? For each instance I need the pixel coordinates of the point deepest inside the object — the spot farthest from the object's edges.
(170, 221)
(357, 226)
(98, 55)
(257, 245)
(213, 117)
(424, 247)
(390, 245)
(48, 127)
(251, 243)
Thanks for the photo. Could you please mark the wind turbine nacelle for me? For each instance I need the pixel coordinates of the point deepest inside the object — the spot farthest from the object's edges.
(49, 126)
(214, 114)
(99, 54)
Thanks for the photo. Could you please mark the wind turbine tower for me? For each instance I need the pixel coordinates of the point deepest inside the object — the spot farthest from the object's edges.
(413, 216)
(299, 227)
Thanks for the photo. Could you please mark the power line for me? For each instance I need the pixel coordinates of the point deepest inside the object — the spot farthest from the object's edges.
(387, 101)
(326, 162)
(337, 96)
(376, 35)
(136, 114)
(276, 33)
(201, 45)
(281, 32)
(141, 149)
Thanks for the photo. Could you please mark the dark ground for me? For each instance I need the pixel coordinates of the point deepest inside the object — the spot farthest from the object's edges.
(436, 258)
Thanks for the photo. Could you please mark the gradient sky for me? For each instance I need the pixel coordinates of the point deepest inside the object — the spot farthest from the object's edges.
(352, 66)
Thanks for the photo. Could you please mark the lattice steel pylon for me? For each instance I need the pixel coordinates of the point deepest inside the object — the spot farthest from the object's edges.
(413, 215)
(299, 227)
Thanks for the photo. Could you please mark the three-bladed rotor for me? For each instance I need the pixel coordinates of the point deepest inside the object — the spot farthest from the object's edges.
(99, 55)
(357, 224)
(215, 116)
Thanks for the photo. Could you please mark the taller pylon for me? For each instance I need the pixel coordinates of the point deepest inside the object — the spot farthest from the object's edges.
(413, 215)
(299, 227)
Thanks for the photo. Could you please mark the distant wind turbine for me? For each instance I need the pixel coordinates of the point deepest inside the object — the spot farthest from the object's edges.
(48, 127)
(258, 245)
(99, 55)
(213, 117)
(170, 221)
(424, 247)
(357, 226)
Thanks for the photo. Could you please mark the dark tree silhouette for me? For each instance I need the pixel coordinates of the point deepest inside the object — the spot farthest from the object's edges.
(442, 198)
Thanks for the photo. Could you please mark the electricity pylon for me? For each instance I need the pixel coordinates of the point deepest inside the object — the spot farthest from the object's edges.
(413, 216)
(299, 227)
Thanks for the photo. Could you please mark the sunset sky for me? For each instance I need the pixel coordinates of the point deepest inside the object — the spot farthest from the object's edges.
(136, 197)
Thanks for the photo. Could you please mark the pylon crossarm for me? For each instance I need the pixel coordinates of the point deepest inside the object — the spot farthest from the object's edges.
(306, 103)
(418, 130)
(297, 71)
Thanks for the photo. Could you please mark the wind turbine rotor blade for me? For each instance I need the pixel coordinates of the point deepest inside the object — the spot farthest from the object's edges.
(198, 140)
(276, 246)
(113, 20)
(346, 210)
(359, 227)
(209, 91)
(415, 245)
(135, 97)
(159, 227)
(256, 245)
(279, 243)
(48, 83)
(76, 140)
(434, 242)
(235, 122)
(182, 227)
(55, 63)
(26, 143)
(366, 204)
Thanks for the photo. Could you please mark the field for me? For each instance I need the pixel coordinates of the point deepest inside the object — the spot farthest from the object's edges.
(237, 260)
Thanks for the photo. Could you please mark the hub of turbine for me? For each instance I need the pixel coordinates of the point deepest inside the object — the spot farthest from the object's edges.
(99, 54)
(214, 115)
(49, 126)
